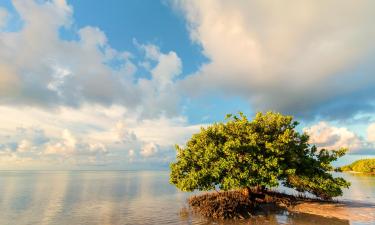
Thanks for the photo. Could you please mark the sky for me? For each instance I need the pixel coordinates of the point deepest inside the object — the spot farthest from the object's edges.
(117, 84)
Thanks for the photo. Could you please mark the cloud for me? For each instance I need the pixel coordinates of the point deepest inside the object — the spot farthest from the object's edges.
(77, 102)
(86, 103)
(149, 149)
(41, 69)
(326, 136)
(371, 133)
(75, 151)
(160, 91)
(3, 17)
(304, 58)
(168, 65)
(64, 146)
(88, 136)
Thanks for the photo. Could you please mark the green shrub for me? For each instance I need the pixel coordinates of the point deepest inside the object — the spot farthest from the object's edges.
(259, 153)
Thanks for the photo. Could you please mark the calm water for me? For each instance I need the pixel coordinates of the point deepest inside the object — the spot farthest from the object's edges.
(120, 197)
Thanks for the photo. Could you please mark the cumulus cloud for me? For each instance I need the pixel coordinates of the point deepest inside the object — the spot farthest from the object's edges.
(41, 69)
(327, 136)
(168, 67)
(66, 145)
(91, 135)
(86, 102)
(307, 57)
(149, 149)
(158, 91)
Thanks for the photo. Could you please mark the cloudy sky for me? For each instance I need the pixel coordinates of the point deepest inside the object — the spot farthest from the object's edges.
(116, 84)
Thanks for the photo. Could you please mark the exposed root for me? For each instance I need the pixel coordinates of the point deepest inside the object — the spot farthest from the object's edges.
(222, 205)
(237, 205)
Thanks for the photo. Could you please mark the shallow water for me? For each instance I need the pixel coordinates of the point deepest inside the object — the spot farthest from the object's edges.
(124, 197)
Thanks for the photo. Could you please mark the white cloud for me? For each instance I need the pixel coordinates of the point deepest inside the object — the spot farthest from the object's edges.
(331, 137)
(90, 135)
(123, 134)
(40, 69)
(371, 133)
(24, 146)
(57, 80)
(80, 102)
(68, 138)
(91, 37)
(3, 17)
(160, 92)
(293, 57)
(166, 132)
(149, 149)
(59, 149)
(168, 67)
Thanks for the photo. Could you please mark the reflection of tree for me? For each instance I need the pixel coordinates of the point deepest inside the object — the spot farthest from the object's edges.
(367, 175)
(362, 188)
(273, 217)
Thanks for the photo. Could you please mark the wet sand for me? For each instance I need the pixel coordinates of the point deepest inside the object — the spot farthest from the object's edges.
(345, 210)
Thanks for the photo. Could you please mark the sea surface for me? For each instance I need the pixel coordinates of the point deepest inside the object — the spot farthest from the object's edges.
(128, 197)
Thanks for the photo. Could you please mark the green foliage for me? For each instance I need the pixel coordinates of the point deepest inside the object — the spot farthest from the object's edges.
(363, 166)
(241, 153)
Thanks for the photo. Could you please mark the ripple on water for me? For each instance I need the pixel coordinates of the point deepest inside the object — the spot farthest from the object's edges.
(120, 197)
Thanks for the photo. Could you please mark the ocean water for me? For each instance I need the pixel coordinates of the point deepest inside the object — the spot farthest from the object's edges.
(126, 197)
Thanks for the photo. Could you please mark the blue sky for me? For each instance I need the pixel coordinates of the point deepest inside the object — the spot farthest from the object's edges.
(115, 84)
(145, 21)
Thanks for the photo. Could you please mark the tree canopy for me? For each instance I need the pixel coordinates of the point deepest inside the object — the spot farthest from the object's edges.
(240, 153)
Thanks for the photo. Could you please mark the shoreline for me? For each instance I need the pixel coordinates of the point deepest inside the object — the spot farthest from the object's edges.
(236, 205)
(357, 172)
(345, 210)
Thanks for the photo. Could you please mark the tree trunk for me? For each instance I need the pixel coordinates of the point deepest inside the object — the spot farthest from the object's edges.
(260, 189)
(246, 191)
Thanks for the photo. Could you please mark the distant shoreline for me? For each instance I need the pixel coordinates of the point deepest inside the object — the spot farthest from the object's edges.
(357, 172)
(365, 166)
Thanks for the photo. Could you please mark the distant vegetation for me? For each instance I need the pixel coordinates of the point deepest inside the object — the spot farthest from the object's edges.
(362, 166)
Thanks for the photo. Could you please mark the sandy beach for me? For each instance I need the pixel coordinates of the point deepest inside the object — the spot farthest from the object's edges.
(345, 210)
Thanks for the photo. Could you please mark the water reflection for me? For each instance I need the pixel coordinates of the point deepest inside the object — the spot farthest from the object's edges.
(362, 187)
(120, 197)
